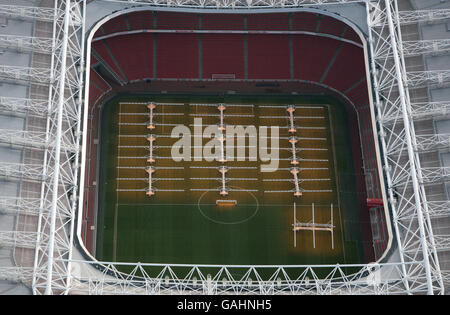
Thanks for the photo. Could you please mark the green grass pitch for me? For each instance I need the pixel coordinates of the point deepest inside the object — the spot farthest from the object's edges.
(187, 227)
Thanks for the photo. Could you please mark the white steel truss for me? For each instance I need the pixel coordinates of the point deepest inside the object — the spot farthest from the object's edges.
(56, 272)
(33, 139)
(428, 110)
(16, 274)
(435, 174)
(405, 177)
(17, 205)
(432, 142)
(421, 111)
(442, 242)
(26, 43)
(421, 47)
(210, 279)
(431, 77)
(61, 165)
(33, 172)
(21, 106)
(439, 209)
(29, 13)
(235, 4)
(411, 17)
(18, 239)
(18, 74)
(426, 143)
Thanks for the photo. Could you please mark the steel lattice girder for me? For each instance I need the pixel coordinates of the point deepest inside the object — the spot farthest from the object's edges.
(19, 205)
(34, 139)
(60, 167)
(405, 177)
(421, 47)
(14, 105)
(428, 110)
(427, 143)
(25, 74)
(18, 239)
(235, 4)
(26, 43)
(16, 274)
(411, 17)
(29, 13)
(211, 279)
(33, 172)
(423, 78)
(419, 79)
(439, 209)
(419, 111)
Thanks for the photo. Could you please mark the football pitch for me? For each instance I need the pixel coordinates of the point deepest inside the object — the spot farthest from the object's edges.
(183, 220)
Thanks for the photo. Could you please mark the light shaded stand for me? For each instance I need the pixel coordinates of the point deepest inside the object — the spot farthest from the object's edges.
(313, 226)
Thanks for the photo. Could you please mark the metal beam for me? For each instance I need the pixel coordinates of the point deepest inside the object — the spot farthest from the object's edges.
(19, 206)
(411, 17)
(32, 139)
(26, 43)
(31, 172)
(29, 13)
(421, 47)
(22, 106)
(401, 163)
(431, 77)
(18, 239)
(24, 75)
(426, 143)
(236, 4)
(16, 274)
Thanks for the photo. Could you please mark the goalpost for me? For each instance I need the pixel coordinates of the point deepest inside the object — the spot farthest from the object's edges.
(313, 226)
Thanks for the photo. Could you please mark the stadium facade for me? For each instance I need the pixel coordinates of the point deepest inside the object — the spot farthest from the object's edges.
(48, 91)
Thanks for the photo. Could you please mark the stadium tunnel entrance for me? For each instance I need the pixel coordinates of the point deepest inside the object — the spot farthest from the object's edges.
(290, 53)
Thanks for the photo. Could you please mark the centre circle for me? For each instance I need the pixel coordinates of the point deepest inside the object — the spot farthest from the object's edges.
(252, 214)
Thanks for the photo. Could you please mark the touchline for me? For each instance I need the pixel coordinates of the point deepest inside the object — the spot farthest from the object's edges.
(221, 146)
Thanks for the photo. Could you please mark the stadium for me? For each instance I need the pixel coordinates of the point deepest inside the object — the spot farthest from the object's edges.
(225, 147)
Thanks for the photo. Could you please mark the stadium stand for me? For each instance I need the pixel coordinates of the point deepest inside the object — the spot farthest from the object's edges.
(312, 54)
(117, 25)
(98, 87)
(347, 69)
(268, 59)
(331, 26)
(137, 61)
(249, 55)
(140, 20)
(173, 62)
(100, 48)
(223, 54)
(304, 21)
